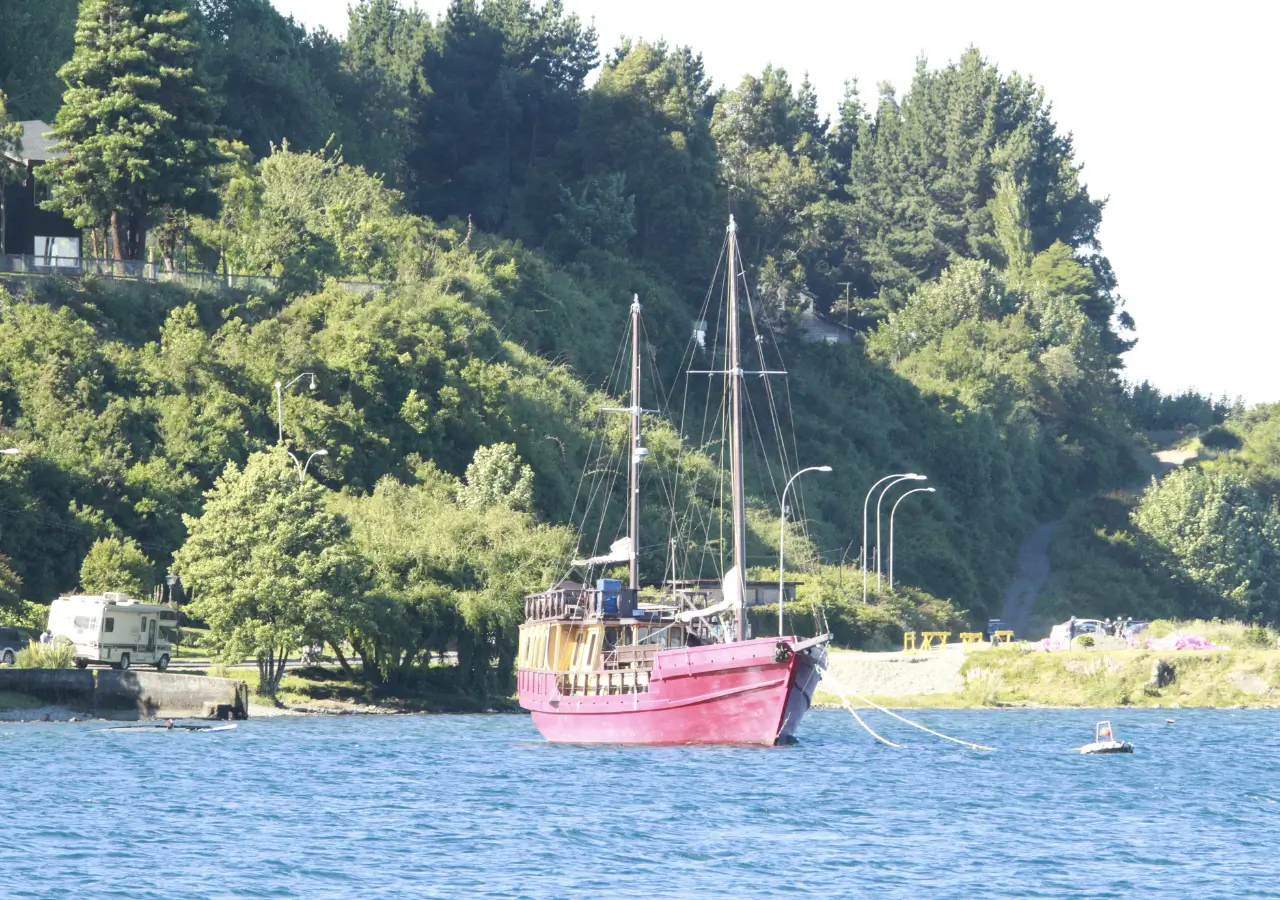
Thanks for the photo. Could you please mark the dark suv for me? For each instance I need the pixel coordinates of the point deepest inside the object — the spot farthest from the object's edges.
(12, 641)
(994, 625)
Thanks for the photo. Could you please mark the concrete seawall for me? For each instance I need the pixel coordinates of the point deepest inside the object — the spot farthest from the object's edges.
(131, 695)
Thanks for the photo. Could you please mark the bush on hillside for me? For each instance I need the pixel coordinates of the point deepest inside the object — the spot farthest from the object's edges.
(1219, 438)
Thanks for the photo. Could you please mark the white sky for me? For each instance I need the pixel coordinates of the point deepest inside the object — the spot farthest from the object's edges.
(1172, 106)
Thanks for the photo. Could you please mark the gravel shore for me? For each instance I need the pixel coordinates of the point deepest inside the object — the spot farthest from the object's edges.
(46, 714)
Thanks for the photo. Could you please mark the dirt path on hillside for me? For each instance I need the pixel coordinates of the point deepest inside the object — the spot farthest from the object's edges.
(1031, 577)
(1173, 459)
(1034, 568)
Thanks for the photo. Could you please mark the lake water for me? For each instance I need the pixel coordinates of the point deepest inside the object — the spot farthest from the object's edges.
(478, 806)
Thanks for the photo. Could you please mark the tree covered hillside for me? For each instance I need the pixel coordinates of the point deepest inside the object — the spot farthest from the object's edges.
(506, 211)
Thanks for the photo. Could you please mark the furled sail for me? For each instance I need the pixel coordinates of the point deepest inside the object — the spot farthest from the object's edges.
(619, 552)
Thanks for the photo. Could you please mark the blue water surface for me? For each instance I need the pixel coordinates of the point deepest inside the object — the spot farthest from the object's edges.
(479, 806)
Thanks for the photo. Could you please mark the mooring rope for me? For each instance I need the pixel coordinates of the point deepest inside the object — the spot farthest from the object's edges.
(853, 712)
(844, 699)
(945, 737)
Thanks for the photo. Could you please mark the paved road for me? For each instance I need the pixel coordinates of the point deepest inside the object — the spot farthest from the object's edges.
(191, 664)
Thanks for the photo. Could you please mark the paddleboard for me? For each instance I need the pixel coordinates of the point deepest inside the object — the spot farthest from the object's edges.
(150, 727)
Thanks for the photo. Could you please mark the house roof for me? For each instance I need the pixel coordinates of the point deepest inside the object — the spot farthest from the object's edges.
(37, 144)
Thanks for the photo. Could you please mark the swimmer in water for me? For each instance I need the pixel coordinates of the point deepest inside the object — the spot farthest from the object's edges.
(168, 724)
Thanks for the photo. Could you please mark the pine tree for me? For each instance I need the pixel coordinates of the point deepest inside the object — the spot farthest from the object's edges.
(136, 124)
(648, 117)
(10, 142)
(35, 40)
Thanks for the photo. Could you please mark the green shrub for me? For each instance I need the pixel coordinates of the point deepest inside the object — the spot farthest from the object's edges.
(1085, 640)
(1219, 438)
(982, 685)
(1259, 637)
(61, 654)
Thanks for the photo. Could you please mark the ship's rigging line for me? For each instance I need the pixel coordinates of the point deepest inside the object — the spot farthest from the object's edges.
(761, 445)
(595, 451)
(695, 521)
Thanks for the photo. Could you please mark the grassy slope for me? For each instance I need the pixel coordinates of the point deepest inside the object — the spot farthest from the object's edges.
(13, 700)
(1105, 680)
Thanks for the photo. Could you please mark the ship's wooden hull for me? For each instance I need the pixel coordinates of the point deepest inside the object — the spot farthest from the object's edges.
(737, 693)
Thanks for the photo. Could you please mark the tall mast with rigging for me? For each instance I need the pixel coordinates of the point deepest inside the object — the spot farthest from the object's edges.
(633, 496)
(734, 373)
(637, 452)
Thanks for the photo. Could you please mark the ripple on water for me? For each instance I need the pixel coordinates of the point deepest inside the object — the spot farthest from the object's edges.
(448, 806)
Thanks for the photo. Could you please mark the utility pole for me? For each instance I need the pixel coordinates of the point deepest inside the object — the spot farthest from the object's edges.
(847, 285)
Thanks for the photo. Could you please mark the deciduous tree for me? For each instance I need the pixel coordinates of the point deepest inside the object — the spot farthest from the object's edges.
(1216, 530)
(268, 565)
(117, 564)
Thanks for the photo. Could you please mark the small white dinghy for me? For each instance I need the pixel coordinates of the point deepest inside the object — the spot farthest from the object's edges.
(1104, 741)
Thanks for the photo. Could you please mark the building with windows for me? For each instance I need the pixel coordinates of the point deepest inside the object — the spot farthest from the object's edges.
(46, 238)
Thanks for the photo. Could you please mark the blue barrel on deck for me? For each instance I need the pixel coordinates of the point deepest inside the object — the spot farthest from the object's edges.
(609, 589)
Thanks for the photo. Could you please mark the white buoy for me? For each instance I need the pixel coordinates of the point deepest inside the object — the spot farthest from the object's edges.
(1104, 741)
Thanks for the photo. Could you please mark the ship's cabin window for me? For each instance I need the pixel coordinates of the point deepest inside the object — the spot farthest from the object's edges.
(654, 636)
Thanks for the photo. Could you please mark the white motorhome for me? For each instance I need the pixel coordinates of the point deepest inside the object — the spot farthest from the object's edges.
(116, 629)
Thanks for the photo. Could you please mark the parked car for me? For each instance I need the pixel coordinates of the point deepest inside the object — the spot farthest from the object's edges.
(994, 625)
(1136, 627)
(1088, 626)
(12, 642)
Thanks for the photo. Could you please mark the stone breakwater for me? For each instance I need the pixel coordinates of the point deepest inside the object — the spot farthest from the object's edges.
(106, 693)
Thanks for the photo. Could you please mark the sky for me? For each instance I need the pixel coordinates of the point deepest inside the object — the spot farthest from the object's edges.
(1171, 104)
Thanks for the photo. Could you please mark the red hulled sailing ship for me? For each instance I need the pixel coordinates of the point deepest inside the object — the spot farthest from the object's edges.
(604, 663)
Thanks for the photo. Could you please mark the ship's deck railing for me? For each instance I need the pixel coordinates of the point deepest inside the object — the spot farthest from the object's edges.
(572, 603)
(629, 657)
(595, 684)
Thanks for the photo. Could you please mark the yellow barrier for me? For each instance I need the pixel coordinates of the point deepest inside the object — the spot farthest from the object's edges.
(908, 641)
(931, 636)
(1001, 637)
(971, 637)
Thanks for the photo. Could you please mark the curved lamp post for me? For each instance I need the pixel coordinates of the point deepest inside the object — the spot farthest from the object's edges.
(302, 467)
(887, 488)
(892, 512)
(864, 524)
(782, 533)
(280, 389)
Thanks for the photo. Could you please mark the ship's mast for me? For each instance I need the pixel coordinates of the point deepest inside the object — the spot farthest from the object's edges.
(734, 372)
(633, 497)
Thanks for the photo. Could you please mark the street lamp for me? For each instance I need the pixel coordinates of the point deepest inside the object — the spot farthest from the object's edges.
(302, 467)
(280, 389)
(888, 487)
(782, 533)
(893, 512)
(10, 451)
(864, 524)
